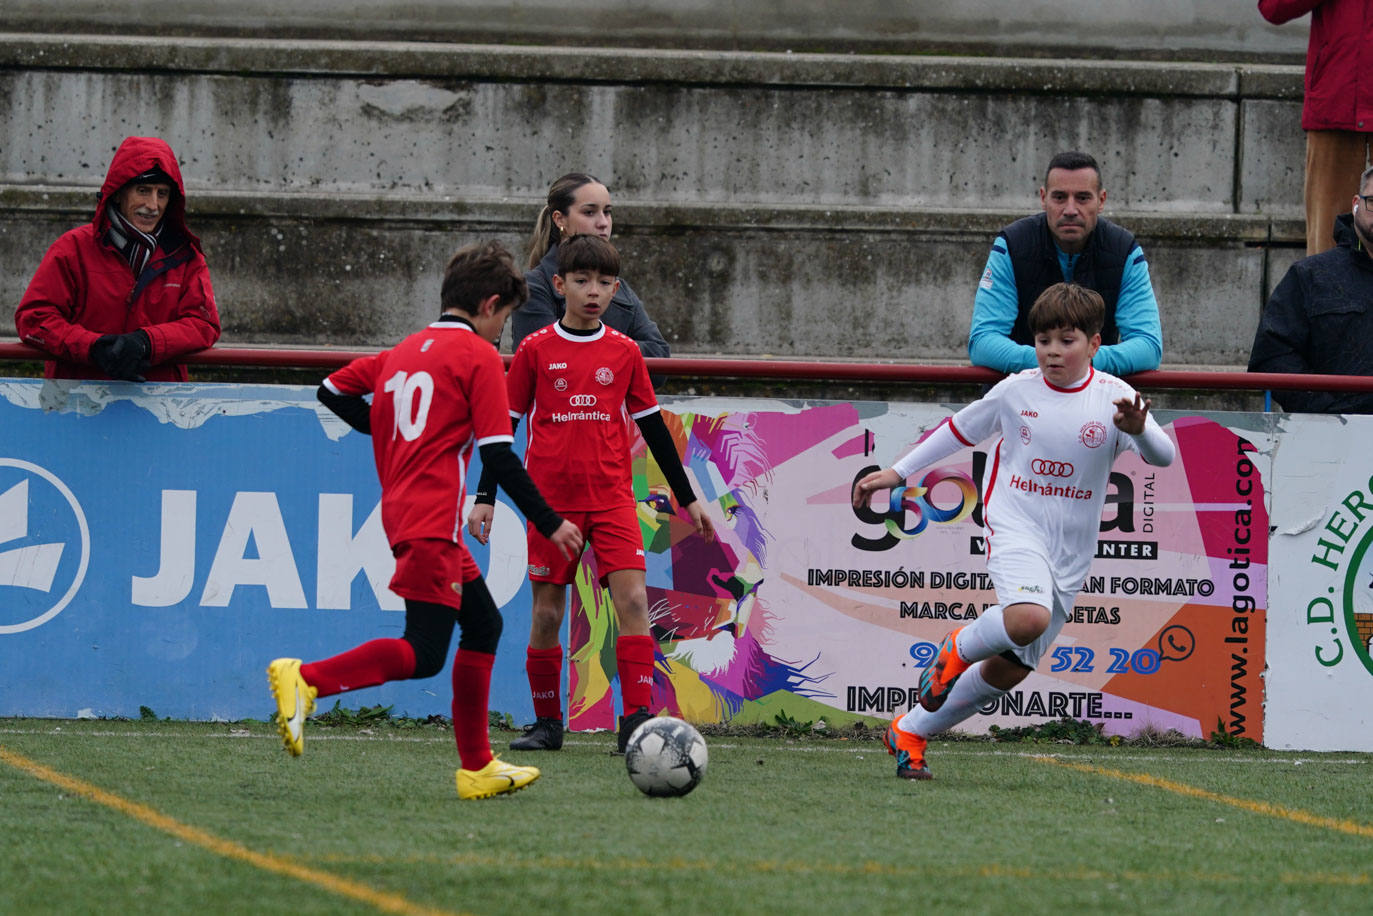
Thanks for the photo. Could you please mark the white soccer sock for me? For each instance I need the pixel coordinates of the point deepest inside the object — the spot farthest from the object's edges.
(984, 637)
(970, 693)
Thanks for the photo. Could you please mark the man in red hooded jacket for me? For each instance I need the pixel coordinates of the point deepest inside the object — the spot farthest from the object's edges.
(1337, 111)
(126, 295)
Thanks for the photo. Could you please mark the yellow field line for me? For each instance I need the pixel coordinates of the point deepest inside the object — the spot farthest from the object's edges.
(387, 903)
(1279, 811)
(679, 865)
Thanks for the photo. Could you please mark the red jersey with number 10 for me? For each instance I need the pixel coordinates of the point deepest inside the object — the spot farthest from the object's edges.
(580, 393)
(436, 394)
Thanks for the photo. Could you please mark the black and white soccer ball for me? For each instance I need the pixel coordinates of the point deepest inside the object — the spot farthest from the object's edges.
(666, 757)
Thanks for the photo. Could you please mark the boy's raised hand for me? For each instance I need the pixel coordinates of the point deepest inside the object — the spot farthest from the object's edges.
(479, 521)
(884, 479)
(1130, 415)
(704, 527)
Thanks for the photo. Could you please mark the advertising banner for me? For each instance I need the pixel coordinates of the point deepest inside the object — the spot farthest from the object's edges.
(159, 544)
(808, 607)
(1320, 656)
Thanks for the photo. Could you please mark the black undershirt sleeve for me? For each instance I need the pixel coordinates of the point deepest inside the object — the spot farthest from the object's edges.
(486, 486)
(664, 451)
(500, 462)
(351, 409)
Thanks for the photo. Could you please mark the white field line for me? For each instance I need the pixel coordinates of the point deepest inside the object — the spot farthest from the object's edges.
(779, 745)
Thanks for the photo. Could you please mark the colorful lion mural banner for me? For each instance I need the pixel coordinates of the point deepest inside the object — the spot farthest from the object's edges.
(808, 608)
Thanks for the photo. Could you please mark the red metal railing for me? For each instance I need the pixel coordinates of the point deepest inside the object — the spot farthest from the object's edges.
(293, 358)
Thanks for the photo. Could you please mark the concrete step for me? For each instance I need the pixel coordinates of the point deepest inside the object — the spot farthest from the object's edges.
(1176, 30)
(802, 205)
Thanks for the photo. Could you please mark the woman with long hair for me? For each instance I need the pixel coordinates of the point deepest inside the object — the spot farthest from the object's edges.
(578, 204)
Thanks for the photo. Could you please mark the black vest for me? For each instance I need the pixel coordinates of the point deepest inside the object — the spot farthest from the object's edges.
(1034, 258)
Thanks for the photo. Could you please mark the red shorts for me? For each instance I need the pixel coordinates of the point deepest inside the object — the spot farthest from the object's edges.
(614, 536)
(433, 570)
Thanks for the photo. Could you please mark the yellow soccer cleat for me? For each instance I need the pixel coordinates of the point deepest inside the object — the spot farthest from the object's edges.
(496, 778)
(295, 701)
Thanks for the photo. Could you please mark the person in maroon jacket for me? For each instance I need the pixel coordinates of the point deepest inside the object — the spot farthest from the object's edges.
(1337, 111)
(128, 294)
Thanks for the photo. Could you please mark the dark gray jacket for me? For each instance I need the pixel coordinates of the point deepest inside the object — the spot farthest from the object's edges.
(1320, 320)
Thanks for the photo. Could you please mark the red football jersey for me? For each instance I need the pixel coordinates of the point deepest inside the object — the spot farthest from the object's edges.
(436, 394)
(579, 395)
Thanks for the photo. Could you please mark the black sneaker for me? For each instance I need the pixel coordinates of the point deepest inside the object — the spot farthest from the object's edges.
(627, 725)
(541, 735)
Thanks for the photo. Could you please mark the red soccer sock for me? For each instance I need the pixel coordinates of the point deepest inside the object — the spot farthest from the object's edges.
(634, 661)
(471, 691)
(368, 665)
(545, 670)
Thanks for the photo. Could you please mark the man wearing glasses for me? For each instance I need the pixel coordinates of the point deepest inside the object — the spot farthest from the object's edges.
(1320, 317)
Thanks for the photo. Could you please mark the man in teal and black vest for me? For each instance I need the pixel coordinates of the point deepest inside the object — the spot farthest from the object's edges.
(1067, 242)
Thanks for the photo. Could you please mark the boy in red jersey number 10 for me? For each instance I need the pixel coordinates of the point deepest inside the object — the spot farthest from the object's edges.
(1061, 426)
(580, 382)
(435, 395)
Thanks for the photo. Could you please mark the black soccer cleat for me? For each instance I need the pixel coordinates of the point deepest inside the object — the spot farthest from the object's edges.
(627, 725)
(540, 735)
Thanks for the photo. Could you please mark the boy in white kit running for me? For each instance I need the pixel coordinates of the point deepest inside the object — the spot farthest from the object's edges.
(1061, 426)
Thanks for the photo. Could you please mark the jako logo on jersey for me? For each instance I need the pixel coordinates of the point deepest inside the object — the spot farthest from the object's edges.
(582, 400)
(552, 366)
(1048, 468)
(1029, 413)
(1092, 434)
(605, 376)
(35, 585)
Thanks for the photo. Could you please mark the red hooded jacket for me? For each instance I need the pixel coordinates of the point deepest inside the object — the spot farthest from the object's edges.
(84, 288)
(1339, 61)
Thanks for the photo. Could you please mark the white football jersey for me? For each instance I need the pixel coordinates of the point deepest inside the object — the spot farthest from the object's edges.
(1045, 482)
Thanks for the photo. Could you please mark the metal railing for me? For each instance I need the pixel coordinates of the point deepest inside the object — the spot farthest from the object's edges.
(760, 368)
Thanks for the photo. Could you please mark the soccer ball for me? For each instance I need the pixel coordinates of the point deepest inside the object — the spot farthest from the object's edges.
(666, 757)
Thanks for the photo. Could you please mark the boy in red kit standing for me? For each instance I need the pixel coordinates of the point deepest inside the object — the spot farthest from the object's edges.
(580, 382)
(435, 396)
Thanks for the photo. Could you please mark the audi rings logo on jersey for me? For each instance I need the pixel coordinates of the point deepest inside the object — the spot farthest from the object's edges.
(918, 501)
(1046, 468)
(582, 400)
(45, 545)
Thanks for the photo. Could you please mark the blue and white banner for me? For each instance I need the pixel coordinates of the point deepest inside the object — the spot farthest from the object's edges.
(160, 543)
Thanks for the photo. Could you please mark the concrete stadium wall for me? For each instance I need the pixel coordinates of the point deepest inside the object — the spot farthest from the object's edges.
(800, 205)
(1177, 29)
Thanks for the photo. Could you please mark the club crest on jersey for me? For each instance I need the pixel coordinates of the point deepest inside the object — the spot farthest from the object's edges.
(1025, 434)
(605, 376)
(560, 384)
(1092, 434)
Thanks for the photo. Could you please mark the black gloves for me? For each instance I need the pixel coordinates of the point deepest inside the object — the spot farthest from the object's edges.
(123, 356)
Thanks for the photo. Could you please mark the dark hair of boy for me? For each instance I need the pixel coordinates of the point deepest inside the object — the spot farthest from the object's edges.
(1072, 161)
(1068, 305)
(479, 271)
(588, 252)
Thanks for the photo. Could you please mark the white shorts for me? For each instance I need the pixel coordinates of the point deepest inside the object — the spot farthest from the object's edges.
(1025, 577)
